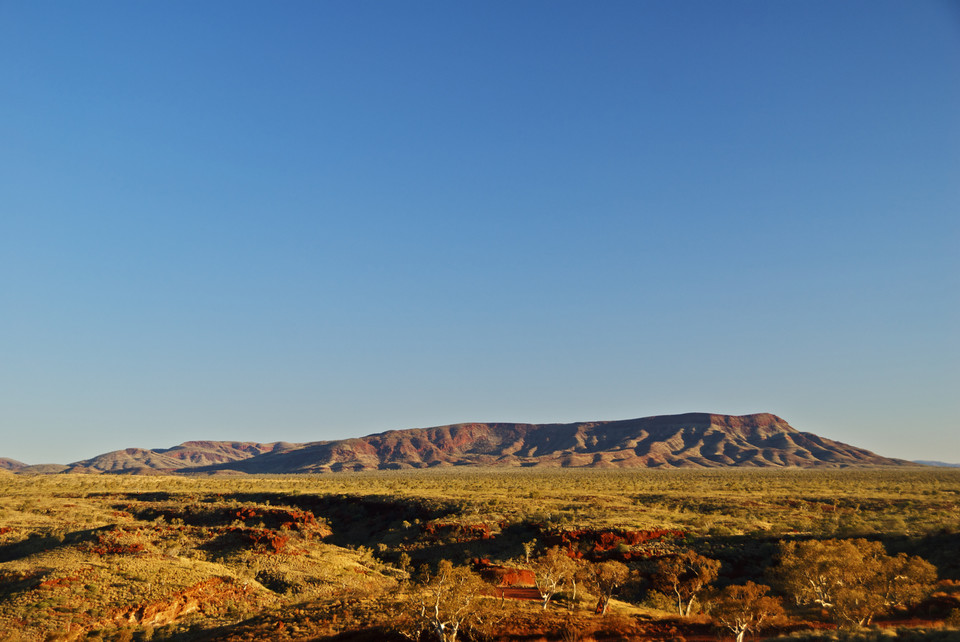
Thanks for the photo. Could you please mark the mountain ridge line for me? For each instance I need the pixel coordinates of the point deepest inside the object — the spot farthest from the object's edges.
(688, 440)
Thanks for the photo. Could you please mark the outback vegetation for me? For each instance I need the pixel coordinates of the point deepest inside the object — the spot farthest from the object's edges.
(483, 554)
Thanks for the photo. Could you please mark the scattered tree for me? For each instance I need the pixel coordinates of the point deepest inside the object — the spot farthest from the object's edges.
(686, 575)
(745, 607)
(404, 563)
(528, 549)
(448, 599)
(582, 574)
(552, 570)
(607, 577)
(906, 580)
(854, 579)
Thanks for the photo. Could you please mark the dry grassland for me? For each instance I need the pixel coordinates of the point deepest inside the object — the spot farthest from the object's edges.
(143, 557)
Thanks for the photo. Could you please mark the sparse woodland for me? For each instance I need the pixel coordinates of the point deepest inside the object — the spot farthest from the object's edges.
(470, 554)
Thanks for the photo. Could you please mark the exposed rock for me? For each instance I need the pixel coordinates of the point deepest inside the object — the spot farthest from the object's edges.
(138, 461)
(696, 440)
(691, 440)
(210, 595)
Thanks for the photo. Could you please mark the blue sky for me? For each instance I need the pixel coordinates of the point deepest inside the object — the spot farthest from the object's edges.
(312, 220)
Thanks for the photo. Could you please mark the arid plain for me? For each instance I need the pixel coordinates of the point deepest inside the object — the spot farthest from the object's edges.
(476, 554)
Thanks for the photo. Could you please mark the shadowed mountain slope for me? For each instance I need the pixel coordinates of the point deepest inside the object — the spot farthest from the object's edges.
(10, 464)
(187, 455)
(688, 440)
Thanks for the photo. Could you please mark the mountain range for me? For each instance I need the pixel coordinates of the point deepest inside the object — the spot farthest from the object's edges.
(938, 464)
(692, 440)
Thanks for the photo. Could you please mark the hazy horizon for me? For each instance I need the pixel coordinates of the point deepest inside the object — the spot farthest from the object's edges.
(256, 222)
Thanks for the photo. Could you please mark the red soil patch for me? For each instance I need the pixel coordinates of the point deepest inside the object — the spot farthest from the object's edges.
(604, 544)
(504, 576)
(59, 582)
(517, 593)
(208, 595)
(117, 542)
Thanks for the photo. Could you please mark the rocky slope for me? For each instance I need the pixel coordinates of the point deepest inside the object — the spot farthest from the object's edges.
(187, 455)
(10, 464)
(688, 440)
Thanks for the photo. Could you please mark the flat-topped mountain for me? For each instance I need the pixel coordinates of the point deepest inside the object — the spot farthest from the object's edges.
(669, 441)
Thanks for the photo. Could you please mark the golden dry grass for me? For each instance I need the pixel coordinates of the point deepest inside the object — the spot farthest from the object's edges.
(82, 556)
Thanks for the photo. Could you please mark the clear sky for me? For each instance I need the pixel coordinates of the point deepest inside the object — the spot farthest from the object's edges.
(300, 221)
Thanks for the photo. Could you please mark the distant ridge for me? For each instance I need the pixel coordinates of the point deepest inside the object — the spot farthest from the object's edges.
(940, 464)
(10, 464)
(692, 440)
(191, 454)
